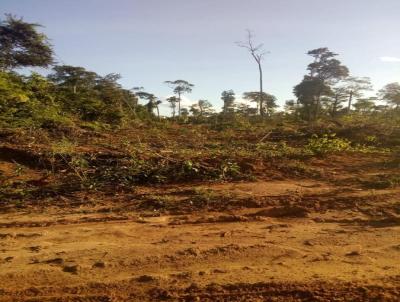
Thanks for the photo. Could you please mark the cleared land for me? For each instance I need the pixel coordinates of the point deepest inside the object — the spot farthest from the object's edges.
(284, 228)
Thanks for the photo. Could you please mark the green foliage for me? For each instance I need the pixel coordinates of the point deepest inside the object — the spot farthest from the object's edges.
(21, 45)
(230, 170)
(324, 71)
(228, 97)
(327, 144)
(65, 150)
(28, 102)
(267, 101)
(391, 93)
(280, 150)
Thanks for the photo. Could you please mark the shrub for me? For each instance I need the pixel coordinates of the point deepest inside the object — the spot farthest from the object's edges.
(327, 144)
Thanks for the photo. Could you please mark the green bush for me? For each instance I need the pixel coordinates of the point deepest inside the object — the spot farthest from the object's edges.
(327, 144)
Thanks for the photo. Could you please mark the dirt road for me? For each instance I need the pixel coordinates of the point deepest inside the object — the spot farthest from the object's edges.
(321, 247)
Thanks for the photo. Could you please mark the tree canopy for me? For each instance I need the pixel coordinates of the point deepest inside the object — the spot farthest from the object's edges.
(21, 45)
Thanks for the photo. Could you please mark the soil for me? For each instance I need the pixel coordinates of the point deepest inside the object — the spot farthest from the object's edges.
(300, 239)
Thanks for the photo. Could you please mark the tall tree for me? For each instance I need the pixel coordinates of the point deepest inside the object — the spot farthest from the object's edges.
(324, 72)
(326, 69)
(228, 97)
(355, 88)
(156, 104)
(391, 94)
(21, 45)
(258, 54)
(172, 104)
(180, 87)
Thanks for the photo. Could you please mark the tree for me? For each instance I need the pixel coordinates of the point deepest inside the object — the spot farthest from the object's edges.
(185, 113)
(391, 94)
(156, 103)
(180, 87)
(308, 94)
(194, 109)
(130, 100)
(28, 101)
(291, 107)
(91, 96)
(228, 97)
(335, 102)
(269, 99)
(205, 107)
(21, 45)
(365, 105)
(76, 91)
(172, 103)
(246, 110)
(113, 97)
(355, 88)
(326, 69)
(202, 108)
(13, 96)
(324, 72)
(152, 102)
(257, 53)
(73, 78)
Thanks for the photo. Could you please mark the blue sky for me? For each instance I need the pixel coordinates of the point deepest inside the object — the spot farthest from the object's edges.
(151, 41)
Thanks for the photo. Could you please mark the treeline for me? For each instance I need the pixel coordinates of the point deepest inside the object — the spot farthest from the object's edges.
(70, 94)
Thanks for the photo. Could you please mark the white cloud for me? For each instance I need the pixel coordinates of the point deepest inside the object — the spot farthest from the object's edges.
(165, 108)
(389, 59)
(185, 101)
(246, 102)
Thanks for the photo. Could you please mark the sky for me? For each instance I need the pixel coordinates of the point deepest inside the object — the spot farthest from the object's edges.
(151, 41)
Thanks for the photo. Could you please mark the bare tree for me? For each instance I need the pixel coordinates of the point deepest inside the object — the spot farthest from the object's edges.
(257, 53)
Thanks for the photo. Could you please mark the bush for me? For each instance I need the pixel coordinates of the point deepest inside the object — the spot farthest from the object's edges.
(327, 144)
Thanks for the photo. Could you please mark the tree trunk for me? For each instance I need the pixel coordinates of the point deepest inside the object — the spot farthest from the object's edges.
(158, 112)
(335, 104)
(261, 89)
(350, 99)
(179, 104)
(318, 105)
